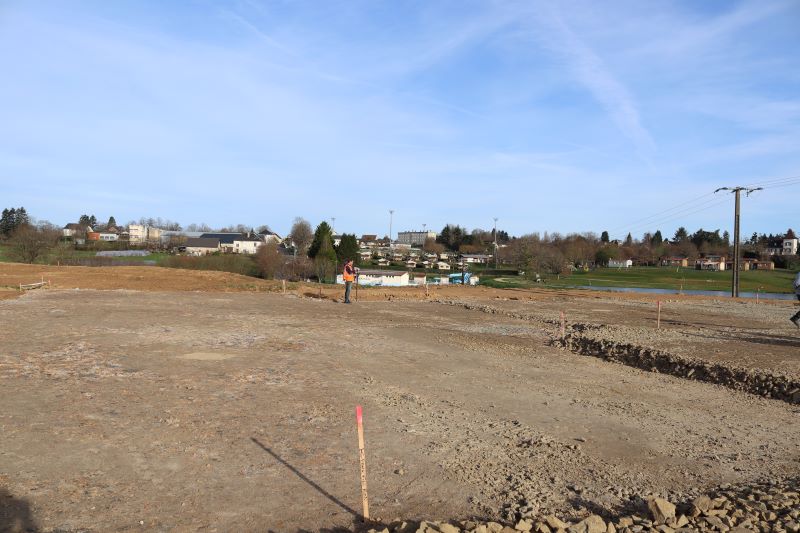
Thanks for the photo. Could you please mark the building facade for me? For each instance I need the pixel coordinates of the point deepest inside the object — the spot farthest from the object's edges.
(414, 238)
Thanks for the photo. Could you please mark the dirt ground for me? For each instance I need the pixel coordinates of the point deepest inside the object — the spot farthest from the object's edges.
(203, 402)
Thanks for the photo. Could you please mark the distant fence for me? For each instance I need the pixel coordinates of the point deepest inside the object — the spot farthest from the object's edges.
(30, 286)
(123, 253)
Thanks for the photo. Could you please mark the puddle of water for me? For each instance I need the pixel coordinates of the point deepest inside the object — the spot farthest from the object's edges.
(206, 356)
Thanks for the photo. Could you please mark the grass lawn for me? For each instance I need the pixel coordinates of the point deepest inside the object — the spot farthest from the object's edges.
(86, 254)
(662, 278)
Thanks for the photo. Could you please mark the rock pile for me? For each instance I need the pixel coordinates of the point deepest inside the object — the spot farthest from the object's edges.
(773, 507)
(591, 341)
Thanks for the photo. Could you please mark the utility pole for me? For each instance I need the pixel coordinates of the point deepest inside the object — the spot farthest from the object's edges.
(736, 252)
(391, 214)
(495, 243)
(333, 225)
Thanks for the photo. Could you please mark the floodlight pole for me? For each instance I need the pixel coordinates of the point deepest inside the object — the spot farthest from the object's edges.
(391, 215)
(495, 243)
(736, 216)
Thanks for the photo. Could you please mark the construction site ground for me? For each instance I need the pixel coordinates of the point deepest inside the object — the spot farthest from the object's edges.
(150, 399)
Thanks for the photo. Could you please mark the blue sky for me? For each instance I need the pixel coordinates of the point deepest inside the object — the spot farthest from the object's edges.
(553, 116)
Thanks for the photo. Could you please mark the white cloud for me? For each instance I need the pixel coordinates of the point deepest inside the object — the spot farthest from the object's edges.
(591, 71)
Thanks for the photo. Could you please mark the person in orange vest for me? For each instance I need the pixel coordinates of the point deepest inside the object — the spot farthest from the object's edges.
(349, 276)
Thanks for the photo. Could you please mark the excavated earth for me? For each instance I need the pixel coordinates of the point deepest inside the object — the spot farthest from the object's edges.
(196, 410)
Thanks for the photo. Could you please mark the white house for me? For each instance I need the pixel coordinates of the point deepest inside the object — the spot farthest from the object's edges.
(108, 237)
(620, 263)
(441, 265)
(271, 236)
(382, 278)
(710, 263)
(411, 264)
(73, 230)
(476, 258)
(246, 245)
(202, 245)
(383, 262)
(785, 246)
(140, 234)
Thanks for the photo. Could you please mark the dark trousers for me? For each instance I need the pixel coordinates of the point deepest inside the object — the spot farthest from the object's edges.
(796, 316)
(348, 285)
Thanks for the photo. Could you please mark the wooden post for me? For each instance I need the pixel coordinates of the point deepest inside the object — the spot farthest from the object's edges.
(563, 325)
(658, 320)
(284, 285)
(362, 460)
(356, 287)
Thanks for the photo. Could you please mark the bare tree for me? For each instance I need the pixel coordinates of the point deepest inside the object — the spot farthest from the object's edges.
(28, 243)
(271, 262)
(431, 246)
(301, 235)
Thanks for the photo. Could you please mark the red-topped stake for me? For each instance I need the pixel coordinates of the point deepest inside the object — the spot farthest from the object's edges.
(362, 460)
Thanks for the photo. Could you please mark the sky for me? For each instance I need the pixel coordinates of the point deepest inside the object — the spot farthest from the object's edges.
(565, 116)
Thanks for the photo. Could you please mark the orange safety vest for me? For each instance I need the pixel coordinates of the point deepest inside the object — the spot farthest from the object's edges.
(349, 274)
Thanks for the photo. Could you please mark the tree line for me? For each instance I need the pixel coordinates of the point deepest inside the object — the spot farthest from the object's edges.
(312, 252)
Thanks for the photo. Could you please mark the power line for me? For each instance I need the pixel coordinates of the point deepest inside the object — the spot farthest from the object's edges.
(696, 205)
(774, 181)
(658, 214)
(677, 215)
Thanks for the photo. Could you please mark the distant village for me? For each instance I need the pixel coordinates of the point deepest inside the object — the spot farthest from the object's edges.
(409, 250)
(451, 255)
(406, 251)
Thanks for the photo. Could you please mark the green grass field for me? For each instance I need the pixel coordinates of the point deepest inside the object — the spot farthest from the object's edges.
(660, 278)
(87, 254)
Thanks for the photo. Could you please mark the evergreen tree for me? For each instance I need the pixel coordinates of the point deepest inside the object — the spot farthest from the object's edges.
(657, 238)
(348, 248)
(680, 235)
(112, 223)
(5, 222)
(629, 240)
(92, 221)
(85, 220)
(22, 218)
(325, 258)
(323, 234)
(444, 236)
(604, 237)
(12, 219)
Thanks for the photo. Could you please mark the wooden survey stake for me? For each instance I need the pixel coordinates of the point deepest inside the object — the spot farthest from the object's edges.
(362, 460)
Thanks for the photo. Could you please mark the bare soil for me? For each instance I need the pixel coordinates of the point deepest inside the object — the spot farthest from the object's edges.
(204, 401)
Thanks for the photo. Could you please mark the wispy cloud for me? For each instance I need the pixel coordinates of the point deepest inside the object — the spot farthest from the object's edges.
(591, 71)
(449, 115)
